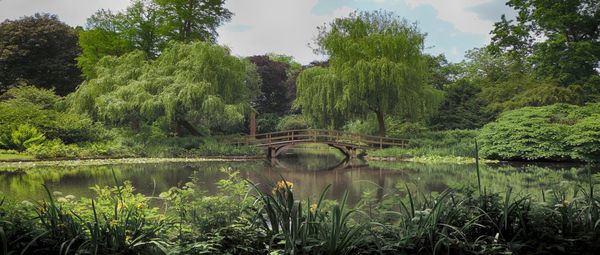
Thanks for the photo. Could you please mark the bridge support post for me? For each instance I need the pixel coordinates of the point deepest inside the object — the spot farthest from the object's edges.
(270, 152)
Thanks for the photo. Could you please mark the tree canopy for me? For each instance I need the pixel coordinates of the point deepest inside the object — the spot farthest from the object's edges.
(39, 50)
(376, 66)
(148, 25)
(273, 74)
(561, 39)
(187, 86)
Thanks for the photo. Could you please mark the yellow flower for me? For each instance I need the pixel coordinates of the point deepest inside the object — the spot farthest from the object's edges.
(282, 186)
(121, 205)
(114, 222)
(313, 208)
(140, 205)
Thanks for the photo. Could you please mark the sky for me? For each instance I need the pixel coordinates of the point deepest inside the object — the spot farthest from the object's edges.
(289, 26)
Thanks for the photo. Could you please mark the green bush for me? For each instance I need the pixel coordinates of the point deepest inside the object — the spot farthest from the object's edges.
(23, 137)
(424, 143)
(266, 123)
(556, 132)
(54, 148)
(292, 122)
(40, 113)
(585, 139)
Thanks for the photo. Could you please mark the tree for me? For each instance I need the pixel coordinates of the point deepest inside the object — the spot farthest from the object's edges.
(561, 39)
(507, 83)
(148, 25)
(188, 20)
(39, 50)
(376, 65)
(273, 74)
(187, 86)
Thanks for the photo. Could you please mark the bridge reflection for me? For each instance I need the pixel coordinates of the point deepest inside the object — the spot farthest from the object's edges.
(318, 170)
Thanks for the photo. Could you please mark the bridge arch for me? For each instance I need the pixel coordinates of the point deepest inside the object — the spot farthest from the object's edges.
(348, 150)
(347, 143)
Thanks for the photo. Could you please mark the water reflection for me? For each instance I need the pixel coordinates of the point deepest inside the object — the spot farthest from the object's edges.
(309, 173)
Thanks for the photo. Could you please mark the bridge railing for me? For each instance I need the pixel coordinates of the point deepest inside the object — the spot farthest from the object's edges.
(319, 136)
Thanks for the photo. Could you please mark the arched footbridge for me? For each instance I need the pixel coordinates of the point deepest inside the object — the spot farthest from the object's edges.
(348, 143)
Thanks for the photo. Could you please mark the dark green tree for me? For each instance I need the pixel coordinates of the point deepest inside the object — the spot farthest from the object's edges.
(461, 108)
(41, 51)
(561, 39)
(188, 20)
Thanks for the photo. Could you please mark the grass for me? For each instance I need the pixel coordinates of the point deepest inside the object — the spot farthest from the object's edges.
(16, 157)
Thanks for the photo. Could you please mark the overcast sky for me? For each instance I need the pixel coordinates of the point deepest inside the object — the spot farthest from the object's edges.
(287, 26)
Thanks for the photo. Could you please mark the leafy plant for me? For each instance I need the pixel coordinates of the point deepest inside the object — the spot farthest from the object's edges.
(26, 136)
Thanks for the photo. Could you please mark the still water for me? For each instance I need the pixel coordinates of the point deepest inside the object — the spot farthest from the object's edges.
(310, 173)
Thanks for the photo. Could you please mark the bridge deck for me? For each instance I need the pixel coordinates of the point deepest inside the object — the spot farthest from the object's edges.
(330, 137)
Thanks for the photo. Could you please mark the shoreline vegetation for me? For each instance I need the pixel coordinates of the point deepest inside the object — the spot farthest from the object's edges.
(245, 218)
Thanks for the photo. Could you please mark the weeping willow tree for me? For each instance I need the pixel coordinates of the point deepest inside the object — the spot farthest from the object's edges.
(376, 66)
(188, 85)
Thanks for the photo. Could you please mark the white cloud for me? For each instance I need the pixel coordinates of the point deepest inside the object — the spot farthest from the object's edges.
(280, 26)
(72, 12)
(458, 13)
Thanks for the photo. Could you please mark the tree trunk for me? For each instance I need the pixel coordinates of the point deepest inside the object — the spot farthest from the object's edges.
(381, 121)
(135, 124)
(188, 126)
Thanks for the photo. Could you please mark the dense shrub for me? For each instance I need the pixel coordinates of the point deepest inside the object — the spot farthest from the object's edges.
(23, 137)
(292, 122)
(555, 132)
(267, 122)
(37, 108)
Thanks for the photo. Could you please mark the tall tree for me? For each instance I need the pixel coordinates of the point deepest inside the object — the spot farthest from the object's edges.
(561, 39)
(376, 66)
(41, 51)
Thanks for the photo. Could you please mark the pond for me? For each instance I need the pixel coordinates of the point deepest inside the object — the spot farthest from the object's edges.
(310, 173)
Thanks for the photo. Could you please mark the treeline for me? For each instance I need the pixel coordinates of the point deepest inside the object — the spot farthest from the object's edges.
(154, 72)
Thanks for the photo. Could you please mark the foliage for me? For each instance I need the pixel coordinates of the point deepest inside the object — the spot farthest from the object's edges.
(273, 74)
(376, 66)
(437, 145)
(292, 122)
(118, 220)
(585, 138)
(147, 25)
(304, 227)
(24, 137)
(461, 109)
(559, 39)
(39, 108)
(503, 83)
(188, 86)
(267, 122)
(40, 50)
(556, 132)
(44, 98)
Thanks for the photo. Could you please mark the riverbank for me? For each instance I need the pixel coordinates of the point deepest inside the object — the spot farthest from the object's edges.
(113, 161)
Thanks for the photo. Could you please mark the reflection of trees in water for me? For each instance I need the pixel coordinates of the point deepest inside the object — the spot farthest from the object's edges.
(305, 171)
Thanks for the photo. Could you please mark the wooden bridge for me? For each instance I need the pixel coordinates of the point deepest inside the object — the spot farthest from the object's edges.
(347, 143)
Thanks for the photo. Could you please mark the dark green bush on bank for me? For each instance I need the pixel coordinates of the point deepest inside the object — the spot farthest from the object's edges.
(556, 132)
